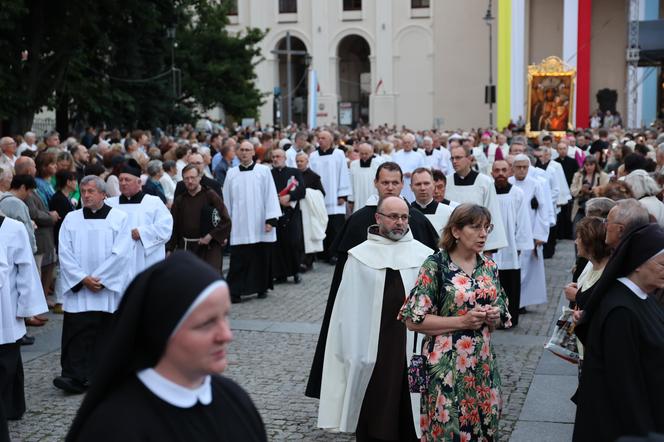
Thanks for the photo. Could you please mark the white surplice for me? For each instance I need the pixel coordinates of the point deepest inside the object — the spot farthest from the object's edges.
(21, 293)
(439, 219)
(251, 199)
(94, 247)
(334, 175)
(533, 279)
(518, 230)
(155, 225)
(550, 189)
(439, 159)
(483, 165)
(483, 193)
(362, 182)
(564, 196)
(352, 341)
(314, 220)
(408, 161)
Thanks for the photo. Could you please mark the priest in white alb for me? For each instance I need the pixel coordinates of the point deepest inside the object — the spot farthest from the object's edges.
(21, 296)
(561, 192)
(533, 280)
(436, 159)
(150, 222)
(422, 185)
(93, 250)
(362, 176)
(251, 198)
(468, 186)
(330, 163)
(364, 385)
(518, 229)
(409, 160)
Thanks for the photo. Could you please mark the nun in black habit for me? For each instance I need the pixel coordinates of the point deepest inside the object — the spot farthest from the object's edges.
(621, 389)
(158, 379)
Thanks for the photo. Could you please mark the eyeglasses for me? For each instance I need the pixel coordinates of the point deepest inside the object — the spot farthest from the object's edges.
(395, 216)
(479, 227)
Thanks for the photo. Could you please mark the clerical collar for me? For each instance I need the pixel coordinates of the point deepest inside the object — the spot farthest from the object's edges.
(101, 213)
(175, 394)
(541, 165)
(427, 209)
(446, 201)
(327, 152)
(2, 220)
(468, 180)
(247, 168)
(366, 163)
(136, 199)
(427, 153)
(503, 190)
(633, 288)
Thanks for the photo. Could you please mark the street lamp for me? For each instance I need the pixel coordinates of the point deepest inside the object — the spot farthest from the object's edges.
(490, 93)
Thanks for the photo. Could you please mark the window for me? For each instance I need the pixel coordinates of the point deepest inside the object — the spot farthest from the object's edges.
(352, 5)
(231, 6)
(417, 4)
(287, 6)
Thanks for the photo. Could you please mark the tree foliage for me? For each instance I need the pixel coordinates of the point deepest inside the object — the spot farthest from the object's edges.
(109, 61)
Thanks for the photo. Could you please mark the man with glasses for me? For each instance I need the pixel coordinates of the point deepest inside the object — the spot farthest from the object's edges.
(388, 182)
(625, 216)
(196, 159)
(533, 280)
(467, 186)
(371, 373)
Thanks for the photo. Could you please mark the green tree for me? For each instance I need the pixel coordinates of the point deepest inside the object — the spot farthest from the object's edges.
(109, 61)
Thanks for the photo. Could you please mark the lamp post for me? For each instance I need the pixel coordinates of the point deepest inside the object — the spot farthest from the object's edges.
(488, 19)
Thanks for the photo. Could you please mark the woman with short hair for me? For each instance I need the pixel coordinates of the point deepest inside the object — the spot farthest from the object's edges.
(457, 302)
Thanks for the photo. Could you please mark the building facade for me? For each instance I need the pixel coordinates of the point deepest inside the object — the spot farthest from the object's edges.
(425, 63)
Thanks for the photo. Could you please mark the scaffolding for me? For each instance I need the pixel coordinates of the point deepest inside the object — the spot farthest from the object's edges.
(632, 58)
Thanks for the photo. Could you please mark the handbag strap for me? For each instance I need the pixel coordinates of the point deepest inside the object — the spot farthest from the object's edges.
(432, 341)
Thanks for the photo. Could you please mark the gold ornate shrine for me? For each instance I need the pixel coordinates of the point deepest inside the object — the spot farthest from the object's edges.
(550, 97)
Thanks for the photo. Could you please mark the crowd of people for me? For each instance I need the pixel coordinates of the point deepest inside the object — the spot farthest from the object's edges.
(444, 235)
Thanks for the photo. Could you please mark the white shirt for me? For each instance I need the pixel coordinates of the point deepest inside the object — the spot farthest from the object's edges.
(168, 183)
(174, 394)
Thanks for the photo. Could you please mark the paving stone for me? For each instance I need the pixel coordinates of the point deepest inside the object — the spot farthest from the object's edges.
(271, 355)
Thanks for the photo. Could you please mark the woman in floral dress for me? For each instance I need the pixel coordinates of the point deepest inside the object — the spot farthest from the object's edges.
(456, 302)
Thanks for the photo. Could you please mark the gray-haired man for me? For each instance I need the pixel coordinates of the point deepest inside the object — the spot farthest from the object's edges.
(93, 248)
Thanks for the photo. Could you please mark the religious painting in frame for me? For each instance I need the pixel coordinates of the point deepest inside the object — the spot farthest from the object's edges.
(550, 97)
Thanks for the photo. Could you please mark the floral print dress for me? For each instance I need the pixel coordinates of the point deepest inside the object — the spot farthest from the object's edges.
(463, 401)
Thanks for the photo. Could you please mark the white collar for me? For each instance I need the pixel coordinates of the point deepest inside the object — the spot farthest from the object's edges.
(424, 206)
(633, 287)
(175, 394)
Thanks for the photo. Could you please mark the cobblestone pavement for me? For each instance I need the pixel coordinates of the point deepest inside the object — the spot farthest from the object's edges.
(271, 356)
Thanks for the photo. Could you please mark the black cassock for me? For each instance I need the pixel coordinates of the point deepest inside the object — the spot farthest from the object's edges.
(622, 381)
(312, 180)
(134, 413)
(564, 221)
(354, 233)
(287, 253)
